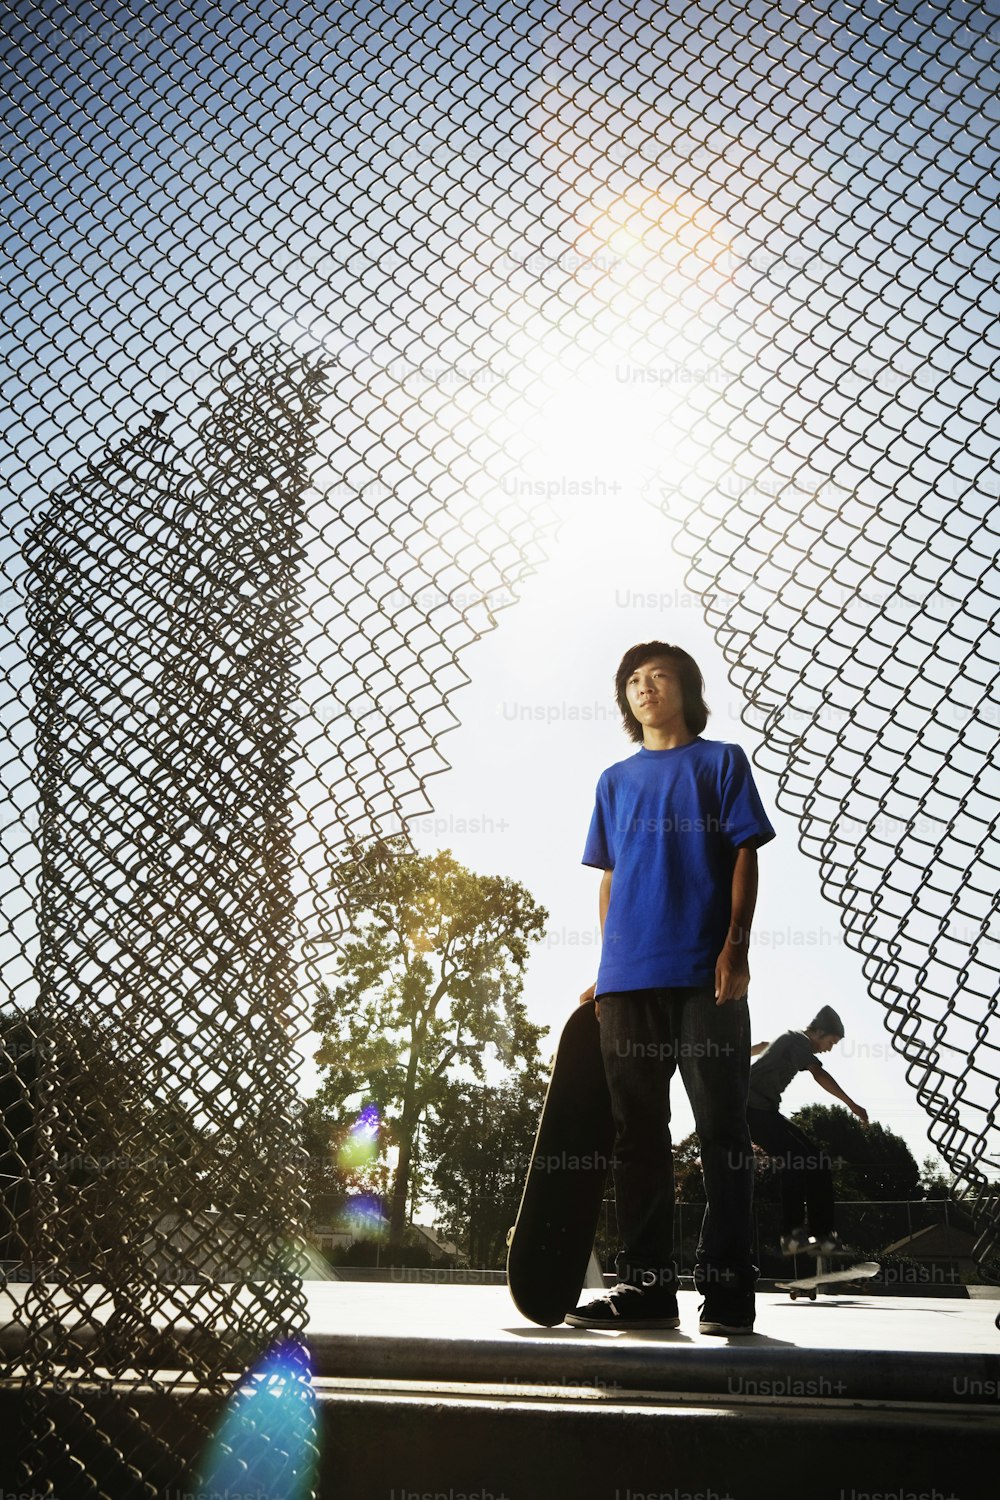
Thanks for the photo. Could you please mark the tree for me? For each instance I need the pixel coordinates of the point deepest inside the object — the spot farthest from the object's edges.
(430, 974)
(869, 1162)
(105, 1137)
(479, 1141)
(343, 1177)
(689, 1185)
(324, 1185)
(20, 1050)
(935, 1179)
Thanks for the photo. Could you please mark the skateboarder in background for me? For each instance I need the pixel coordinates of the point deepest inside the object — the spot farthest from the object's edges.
(675, 831)
(807, 1209)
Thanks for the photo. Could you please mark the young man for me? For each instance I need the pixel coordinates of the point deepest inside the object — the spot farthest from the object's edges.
(806, 1170)
(675, 831)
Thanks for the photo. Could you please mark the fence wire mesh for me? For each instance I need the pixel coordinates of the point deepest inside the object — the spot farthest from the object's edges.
(317, 319)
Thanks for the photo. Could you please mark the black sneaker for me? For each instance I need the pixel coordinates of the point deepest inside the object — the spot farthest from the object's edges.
(627, 1306)
(830, 1243)
(727, 1310)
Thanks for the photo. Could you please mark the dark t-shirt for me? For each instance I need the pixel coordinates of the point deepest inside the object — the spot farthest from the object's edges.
(773, 1070)
(668, 823)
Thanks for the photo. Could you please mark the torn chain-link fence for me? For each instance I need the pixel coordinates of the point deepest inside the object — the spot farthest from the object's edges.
(317, 322)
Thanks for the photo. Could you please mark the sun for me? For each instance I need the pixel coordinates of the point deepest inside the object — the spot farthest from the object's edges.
(665, 241)
(615, 381)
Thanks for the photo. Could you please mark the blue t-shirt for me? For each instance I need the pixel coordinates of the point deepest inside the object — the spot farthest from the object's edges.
(668, 823)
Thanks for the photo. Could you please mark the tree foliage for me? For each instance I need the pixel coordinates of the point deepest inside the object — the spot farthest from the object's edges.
(108, 1141)
(429, 976)
(689, 1185)
(935, 1178)
(869, 1162)
(479, 1141)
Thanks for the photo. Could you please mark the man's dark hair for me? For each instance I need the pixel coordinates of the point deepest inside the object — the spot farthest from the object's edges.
(696, 710)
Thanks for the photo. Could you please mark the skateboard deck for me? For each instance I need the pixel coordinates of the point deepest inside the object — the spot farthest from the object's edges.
(808, 1286)
(550, 1245)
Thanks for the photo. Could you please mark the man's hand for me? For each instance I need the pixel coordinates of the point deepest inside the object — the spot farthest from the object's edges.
(588, 994)
(732, 974)
(862, 1114)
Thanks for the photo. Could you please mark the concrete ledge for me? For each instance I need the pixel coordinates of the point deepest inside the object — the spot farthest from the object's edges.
(443, 1392)
(647, 1363)
(851, 1346)
(378, 1445)
(446, 1449)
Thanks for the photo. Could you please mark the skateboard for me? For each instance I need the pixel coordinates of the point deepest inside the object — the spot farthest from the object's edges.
(550, 1245)
(808, 1286)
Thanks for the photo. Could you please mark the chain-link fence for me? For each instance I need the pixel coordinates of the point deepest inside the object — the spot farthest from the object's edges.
(319, 320)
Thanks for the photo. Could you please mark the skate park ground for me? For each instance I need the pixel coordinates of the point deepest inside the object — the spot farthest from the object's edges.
(432, 1390)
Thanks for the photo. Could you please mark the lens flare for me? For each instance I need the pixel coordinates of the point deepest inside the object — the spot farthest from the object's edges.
(361, 1147)
(362, 1212)
(266, 1442)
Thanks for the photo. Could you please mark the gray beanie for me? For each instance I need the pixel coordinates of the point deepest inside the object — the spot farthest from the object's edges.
(827, 1020)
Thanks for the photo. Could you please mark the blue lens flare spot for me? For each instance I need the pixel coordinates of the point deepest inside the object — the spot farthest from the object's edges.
(265, 1446)
(362, 1212)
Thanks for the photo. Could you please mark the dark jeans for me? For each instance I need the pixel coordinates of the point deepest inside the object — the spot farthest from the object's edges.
(645, 1036)
(806, 1171)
